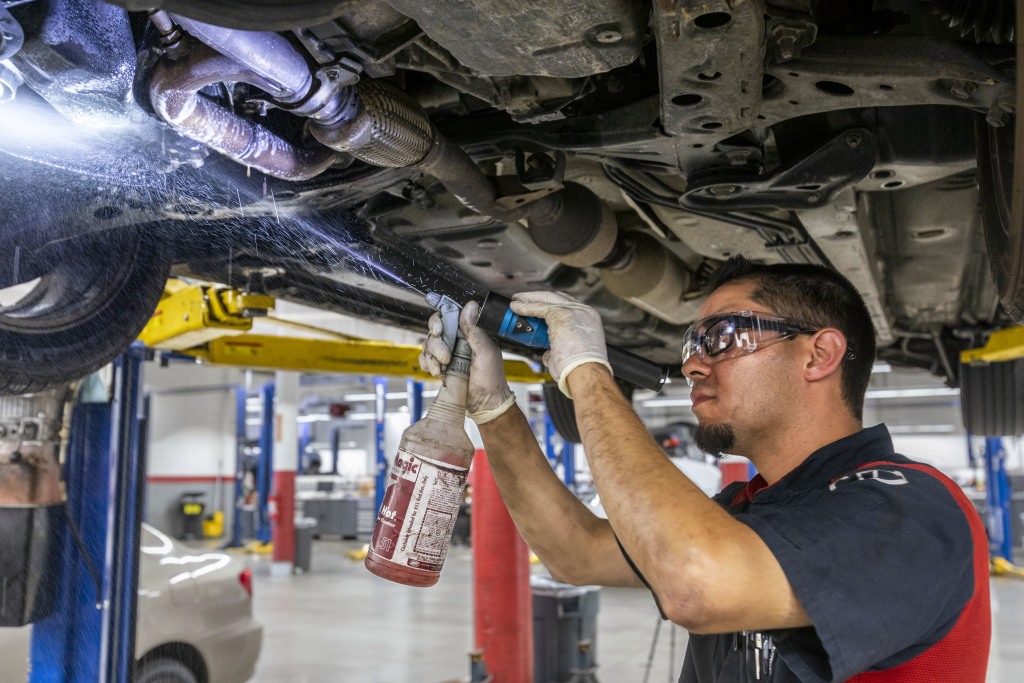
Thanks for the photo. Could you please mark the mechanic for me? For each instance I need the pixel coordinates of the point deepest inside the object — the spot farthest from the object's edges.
(841, 560)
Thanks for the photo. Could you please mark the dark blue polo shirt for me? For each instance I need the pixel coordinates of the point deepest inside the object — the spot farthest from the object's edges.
(888, 558)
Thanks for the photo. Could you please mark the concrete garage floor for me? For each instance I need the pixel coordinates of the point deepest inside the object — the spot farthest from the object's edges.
(340, 624)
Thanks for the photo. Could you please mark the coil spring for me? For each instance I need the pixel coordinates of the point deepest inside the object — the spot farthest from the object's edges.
(984, 20)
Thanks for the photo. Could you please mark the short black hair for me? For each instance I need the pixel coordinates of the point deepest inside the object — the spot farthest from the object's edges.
(820, 297)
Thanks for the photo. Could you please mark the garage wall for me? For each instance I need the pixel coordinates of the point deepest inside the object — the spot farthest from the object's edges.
(947, 453)
(191, 439)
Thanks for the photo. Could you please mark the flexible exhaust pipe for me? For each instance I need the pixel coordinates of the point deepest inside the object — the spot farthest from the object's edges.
(386, 127)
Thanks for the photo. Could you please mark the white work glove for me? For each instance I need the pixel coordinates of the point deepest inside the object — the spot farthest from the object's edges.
(489, 394)
(574, 329)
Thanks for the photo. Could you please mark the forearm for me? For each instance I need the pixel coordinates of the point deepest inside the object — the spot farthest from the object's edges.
(573, 543)
(670, 528)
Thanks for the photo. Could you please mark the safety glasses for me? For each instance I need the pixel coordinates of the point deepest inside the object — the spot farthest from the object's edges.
(728, 335)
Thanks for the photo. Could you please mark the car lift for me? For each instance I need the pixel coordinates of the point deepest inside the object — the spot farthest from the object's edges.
(90, 636)
(213, 323)
(1005, 345)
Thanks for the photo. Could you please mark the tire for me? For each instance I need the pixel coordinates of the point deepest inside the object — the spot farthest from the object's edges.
(164, 670)
(992, 398)
(1004, 232)
(94, 295)
(562, 410)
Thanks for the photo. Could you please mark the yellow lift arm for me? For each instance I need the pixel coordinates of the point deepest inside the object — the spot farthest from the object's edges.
(189, 316)
(213, 323)
(1002, 345)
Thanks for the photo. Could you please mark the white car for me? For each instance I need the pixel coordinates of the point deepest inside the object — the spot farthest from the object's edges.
(195, 622)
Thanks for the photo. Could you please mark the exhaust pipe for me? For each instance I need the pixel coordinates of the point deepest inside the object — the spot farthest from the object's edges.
(267, 62)
(175, 95)
(371, 121)
(386, 127)
(382, 126)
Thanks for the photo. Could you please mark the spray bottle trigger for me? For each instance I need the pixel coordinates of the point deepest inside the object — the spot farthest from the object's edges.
(449, 310)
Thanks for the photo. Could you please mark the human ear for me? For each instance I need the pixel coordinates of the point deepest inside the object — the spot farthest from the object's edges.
(828, 349)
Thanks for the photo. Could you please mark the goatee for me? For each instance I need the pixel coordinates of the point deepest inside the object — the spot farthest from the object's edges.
(716, 440)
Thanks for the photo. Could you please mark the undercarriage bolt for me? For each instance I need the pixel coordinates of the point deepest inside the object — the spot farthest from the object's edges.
(787, 47)
(723, 191)
(608, 35)
(996, 117)
(963, 89)
(738, 157)
(853, 140)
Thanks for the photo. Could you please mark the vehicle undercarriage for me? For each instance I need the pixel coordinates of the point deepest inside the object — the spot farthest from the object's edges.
(333, 153)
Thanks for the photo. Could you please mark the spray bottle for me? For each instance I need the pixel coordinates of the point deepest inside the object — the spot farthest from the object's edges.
(425, 485)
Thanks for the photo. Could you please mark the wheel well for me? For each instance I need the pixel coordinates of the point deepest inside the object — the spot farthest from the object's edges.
(182, 652)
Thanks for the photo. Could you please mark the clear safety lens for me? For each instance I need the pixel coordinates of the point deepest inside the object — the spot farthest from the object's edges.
(727, 335)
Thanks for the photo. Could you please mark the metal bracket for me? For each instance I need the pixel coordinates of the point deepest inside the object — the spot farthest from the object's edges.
(812, 181)
(539, 171)
(790, 36)
(710, 56)
(334, 97)
(537, 178)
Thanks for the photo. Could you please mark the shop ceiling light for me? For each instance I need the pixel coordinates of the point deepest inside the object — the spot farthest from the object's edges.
(931, 392)
(922, 429)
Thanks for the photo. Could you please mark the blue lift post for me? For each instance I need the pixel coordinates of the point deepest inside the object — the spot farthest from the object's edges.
(265, 464)
(414, 391)
(549, 441)
(380, 390)
(567, 455)
(305, 438)
(569, 464)
(241, 395)
(90, 636)
(997, 493)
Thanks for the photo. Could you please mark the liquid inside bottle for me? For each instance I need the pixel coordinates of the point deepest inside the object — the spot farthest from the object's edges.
(425, 485)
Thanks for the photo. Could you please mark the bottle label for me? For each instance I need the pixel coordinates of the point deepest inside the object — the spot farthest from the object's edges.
(415, 521)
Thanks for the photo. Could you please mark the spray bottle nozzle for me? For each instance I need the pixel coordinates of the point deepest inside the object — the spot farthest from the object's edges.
(449, 310)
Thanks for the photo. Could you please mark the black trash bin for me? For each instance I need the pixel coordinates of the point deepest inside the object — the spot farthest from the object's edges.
(192, 508)
(1017, 509)
(305, 529)
(564, 628)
